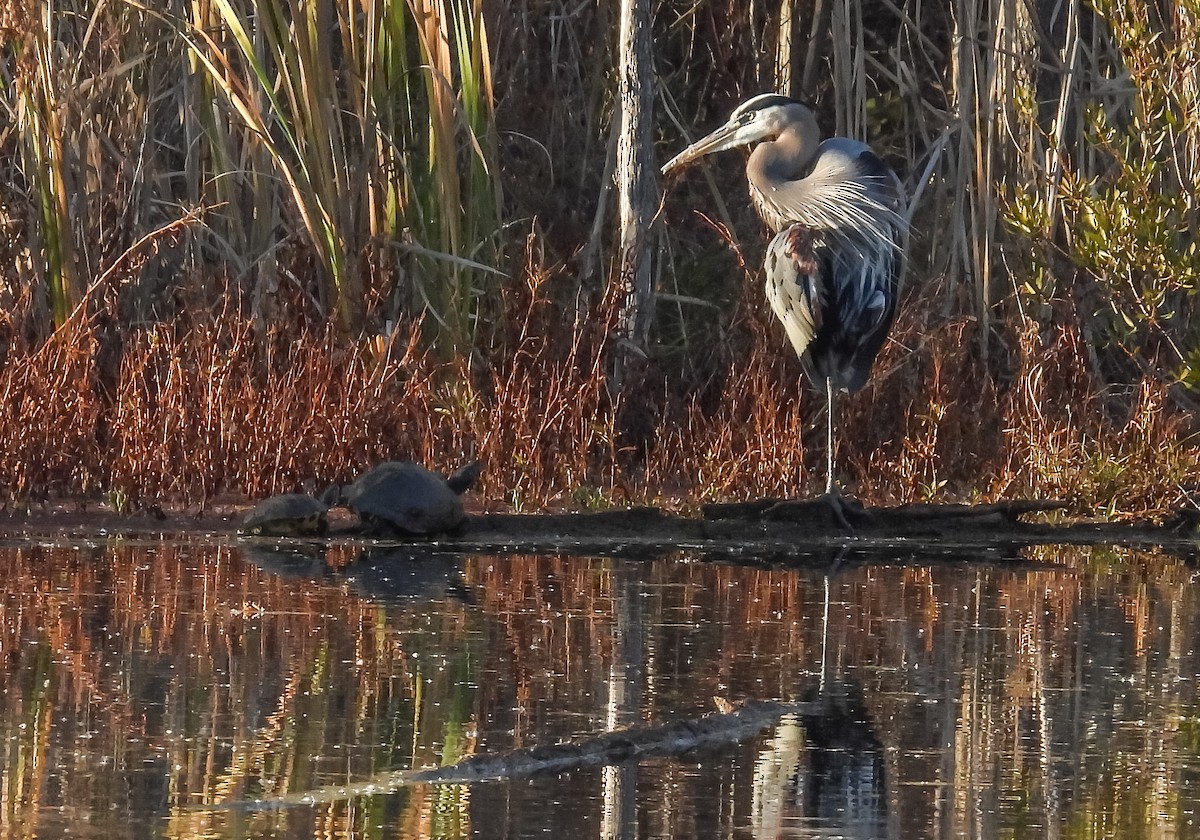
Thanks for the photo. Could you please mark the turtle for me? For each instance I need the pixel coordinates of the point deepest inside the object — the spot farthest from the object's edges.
(405, 498)
(286, 515)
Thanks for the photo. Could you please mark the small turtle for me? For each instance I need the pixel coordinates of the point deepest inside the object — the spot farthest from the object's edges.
(291, 514)
(403, 497)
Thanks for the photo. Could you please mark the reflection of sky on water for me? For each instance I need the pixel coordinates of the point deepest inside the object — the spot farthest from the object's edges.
(1045, 700)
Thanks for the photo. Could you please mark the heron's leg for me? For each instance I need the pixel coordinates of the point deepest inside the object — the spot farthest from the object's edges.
(843, 508)
(830, 402)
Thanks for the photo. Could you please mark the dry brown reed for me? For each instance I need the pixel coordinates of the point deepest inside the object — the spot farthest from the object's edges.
(1047, 345)
(190, 413)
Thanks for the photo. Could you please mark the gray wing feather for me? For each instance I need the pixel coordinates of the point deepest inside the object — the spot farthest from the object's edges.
(793, 293)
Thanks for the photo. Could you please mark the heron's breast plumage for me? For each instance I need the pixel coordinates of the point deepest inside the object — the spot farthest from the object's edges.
(844, 189)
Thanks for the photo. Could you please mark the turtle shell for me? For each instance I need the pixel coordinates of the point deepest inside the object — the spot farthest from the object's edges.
(406, 497)
(291, 514)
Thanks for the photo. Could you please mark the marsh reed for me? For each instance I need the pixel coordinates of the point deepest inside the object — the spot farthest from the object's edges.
(254, 245)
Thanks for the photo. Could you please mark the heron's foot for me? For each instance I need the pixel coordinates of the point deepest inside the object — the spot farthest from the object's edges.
(846, 511)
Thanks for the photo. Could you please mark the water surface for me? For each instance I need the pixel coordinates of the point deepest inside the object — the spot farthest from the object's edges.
(1049, 697)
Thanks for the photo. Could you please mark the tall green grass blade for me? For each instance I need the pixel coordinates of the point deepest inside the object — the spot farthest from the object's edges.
(37, 113)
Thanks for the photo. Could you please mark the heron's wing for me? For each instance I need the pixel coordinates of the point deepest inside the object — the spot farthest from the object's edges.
(793, 289)
(836, 303)
(866, 289)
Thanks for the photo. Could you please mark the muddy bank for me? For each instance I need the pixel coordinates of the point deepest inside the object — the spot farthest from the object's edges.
(769, 529)
(763, 528)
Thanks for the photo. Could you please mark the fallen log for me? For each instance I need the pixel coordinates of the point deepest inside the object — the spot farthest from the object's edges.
(779, 528)
(771, 530)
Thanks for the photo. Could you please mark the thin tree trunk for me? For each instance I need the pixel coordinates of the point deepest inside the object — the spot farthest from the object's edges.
(637, 186)
(785, 51)
(589, 257)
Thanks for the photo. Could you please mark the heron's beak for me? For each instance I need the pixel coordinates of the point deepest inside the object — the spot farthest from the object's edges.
(729, 136)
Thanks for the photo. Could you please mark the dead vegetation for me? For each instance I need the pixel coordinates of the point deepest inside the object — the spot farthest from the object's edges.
(232, 278)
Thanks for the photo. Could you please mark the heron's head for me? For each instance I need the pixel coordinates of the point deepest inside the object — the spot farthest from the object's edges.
(764, 117)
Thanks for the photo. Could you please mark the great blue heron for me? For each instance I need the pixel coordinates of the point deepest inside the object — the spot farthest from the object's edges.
(833, 267)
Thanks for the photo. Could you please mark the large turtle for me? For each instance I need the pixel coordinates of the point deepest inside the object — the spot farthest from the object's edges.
(405, 498)
(291, 514)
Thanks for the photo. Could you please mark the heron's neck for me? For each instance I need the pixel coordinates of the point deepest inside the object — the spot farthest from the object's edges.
(788, 157)
(784, 161)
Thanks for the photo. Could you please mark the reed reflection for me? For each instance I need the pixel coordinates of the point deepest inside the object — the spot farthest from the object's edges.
(958, 700)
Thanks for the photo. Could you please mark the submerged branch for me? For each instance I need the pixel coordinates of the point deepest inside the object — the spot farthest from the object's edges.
(717, 728)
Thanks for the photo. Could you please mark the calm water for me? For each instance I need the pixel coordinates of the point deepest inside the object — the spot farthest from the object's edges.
(1054, 698)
